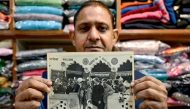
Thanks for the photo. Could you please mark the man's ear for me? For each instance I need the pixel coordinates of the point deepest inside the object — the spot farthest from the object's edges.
(115, 35)
(72, 37)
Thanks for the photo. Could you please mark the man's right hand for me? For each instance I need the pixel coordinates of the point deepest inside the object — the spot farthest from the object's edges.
(30, 92)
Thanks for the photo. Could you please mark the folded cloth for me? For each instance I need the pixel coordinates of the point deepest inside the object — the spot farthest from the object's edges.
(126, 4)
(134, 0)
(80, 2)
(185, 16)
(148, 15)
(4, 9)
(56, 3)
(148, 21)
(38, 25)
(70, 12)
(5, 18)
(129, 8)
(35, 16)
(5, 51)
(38, 9)
(168, 5)
(7, 43)
(141, 10)
(186, 10)
(165, 16)
(142, 26)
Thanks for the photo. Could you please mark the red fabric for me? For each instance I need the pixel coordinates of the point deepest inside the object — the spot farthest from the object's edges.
(37, 72)
(141, 10)
(5, 18)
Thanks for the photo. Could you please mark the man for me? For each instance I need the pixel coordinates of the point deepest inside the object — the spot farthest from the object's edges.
(108, 90)
(94, 32)
(97, 94)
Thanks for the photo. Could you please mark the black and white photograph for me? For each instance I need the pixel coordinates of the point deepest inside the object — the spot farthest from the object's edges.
(91, 80)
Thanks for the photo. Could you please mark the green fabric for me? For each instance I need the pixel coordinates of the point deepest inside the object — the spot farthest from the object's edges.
(38, 3)
(80, 2)
(5, 90)
(188, 27)
(2, 61)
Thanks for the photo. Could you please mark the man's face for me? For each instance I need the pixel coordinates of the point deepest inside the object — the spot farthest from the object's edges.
(94, 31)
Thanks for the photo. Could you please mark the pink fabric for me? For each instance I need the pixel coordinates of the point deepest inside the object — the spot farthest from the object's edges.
(5, 51)
(37, 72)
(172, 101)
(145, 15)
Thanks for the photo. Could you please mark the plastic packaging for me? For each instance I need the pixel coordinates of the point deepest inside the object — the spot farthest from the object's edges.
(4, 9)
(37, 52)
(31, 65)
(181, 97)
(149, 59)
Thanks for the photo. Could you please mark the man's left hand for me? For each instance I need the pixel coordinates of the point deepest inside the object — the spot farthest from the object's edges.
(152, 91)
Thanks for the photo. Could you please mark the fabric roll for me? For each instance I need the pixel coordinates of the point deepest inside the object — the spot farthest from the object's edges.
(168, 5)
(185, 16)
(129, 8)
(141, 10)
(37, 52)
(7, 43)
(38, 25)
(5, 51)
(126, 4)
(34, 16)
(4, 9)
(56, 3)
(38, 9)
(146, 15)
(4, 21)
(186, 10)
(142, 26)
(80, 2)
(149, 21)
(31, 65)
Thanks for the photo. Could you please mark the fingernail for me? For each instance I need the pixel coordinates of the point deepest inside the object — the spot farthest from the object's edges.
(132, 83)
(49, 82)
(132, 91)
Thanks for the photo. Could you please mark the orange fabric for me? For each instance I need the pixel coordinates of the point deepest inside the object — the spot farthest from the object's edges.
(5, 18)
(126, 4)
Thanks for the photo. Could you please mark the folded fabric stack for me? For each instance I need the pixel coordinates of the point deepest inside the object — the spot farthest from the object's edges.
(73, 5)
(32, 62)
(170, 65)
(147, 14)
(5, 72)
(5, 18)
(38, 14)
(182, 10)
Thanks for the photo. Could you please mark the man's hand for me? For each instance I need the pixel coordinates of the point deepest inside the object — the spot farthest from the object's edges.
(30, 92)
(152, 91)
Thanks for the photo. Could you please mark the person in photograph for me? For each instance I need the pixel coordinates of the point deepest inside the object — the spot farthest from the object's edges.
(108, 90)
(95, 31)
(97, 94)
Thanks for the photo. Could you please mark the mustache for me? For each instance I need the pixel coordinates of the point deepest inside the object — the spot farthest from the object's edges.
(97, 44)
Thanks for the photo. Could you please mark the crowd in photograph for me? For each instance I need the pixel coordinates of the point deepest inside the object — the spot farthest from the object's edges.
(93, 91)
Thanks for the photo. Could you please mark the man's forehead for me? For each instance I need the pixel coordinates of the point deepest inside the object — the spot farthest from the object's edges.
(93, 14)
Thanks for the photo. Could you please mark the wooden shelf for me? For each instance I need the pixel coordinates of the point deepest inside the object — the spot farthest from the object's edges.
(181, 35)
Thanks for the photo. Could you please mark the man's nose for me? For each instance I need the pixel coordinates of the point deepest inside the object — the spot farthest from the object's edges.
(93, 34)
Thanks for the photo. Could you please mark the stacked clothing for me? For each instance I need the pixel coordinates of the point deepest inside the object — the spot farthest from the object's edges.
(5, 72)
(32, 62)
(5, 18)
(147, 14)
(38, 14)
(170, 65)
(71, 7)
(182, 11)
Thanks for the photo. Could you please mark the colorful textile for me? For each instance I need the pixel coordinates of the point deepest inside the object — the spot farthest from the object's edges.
(38, 25)
(141, 10)
(126, 4)
(130, 8)
(147, 15)
(56, 3)
(38, 9)
(34, 16)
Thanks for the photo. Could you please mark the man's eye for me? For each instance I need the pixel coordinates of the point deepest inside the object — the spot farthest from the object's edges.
(84, 28)
(103, 28)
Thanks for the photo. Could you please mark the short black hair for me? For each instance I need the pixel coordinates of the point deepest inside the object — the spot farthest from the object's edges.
(94, 3)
